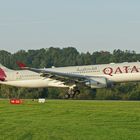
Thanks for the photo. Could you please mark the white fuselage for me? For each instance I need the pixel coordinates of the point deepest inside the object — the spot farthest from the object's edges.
(29, 79)
(121, 72)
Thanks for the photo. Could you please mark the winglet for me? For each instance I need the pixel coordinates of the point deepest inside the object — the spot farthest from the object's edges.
(21, 65)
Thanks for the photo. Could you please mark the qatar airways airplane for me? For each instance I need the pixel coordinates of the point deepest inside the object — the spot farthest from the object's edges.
(72, 77)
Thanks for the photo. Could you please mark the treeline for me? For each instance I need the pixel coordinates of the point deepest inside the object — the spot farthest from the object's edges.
(69, 57)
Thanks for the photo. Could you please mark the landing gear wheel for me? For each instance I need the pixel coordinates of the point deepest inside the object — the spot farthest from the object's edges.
(67, 96)
(72, 92)
(77, 92)
(73, 95)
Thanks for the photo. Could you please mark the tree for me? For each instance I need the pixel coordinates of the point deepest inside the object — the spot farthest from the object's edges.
(48, 57)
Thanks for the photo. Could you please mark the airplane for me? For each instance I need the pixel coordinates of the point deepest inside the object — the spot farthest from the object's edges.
(71, 77)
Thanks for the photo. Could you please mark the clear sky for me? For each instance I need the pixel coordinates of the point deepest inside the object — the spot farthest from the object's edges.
(88, 25)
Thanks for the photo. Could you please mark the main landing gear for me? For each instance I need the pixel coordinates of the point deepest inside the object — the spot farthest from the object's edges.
(72, 92)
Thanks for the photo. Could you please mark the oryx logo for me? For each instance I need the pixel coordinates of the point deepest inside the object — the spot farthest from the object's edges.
(2, 75)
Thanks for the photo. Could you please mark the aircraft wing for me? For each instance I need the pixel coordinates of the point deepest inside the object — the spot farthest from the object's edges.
(67, 77)
(51, 73)
(45, 72)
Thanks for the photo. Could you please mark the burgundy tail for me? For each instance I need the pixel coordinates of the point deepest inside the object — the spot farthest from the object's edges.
(2, 75)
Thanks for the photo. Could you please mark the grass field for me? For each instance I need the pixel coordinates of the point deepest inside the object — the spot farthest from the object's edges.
(70, 120)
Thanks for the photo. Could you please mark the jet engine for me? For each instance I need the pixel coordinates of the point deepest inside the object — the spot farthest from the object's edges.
(98, 82)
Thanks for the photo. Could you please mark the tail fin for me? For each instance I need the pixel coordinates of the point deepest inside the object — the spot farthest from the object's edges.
(2, 75)
(3, 72)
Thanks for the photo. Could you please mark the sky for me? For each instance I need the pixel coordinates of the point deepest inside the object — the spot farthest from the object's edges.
(88, 25)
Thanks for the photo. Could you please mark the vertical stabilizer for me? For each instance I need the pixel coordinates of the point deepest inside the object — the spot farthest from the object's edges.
(3, 72)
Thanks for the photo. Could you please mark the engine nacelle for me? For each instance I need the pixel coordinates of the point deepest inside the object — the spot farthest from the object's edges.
(98, 82)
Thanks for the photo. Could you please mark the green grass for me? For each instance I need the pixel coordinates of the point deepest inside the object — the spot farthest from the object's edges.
(70, 120)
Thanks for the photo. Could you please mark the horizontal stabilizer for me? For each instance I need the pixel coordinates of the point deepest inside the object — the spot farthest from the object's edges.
(21, 65)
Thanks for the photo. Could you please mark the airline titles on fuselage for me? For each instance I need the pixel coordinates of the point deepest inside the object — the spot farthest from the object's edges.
(119, 70)
(87, 69)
